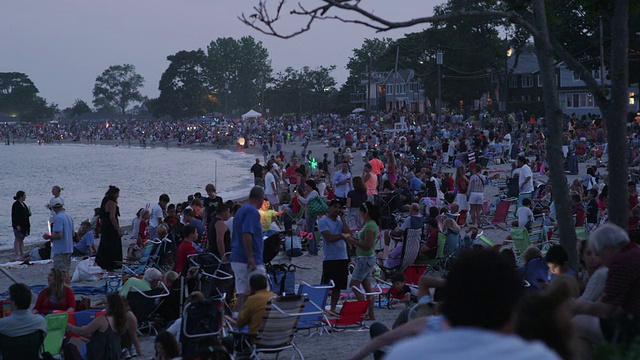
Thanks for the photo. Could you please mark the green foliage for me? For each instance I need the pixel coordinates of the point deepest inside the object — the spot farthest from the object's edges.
(19, 97)
(79, 107)
(183, 86)
(117, 87)
(380, 53)
(302, 91)
(239, 71)
(618, 351)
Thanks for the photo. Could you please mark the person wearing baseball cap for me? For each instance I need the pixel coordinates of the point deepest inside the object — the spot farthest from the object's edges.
(61, 236)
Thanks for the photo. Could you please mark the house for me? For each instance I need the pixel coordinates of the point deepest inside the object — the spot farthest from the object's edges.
(369, 92)
(404, 90)
(525, 87)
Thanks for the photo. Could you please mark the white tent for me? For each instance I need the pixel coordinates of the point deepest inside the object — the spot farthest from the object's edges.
(251, 114)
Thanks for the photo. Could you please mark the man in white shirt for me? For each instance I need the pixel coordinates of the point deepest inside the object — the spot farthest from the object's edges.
(271, 187)
(525, 180)
(157, 216)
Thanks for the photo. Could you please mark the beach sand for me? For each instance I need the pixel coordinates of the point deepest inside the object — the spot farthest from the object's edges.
(333, 346)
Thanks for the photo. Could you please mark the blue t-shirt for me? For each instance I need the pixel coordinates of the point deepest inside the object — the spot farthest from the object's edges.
(247, 220)
(536, 270)
(86, 241)
(336, 250)
(64, 224)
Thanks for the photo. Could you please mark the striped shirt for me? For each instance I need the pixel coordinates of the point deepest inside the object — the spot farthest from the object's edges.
(623, 281)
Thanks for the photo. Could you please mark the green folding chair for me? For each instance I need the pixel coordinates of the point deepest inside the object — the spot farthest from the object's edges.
(56, 327)
(582, 233)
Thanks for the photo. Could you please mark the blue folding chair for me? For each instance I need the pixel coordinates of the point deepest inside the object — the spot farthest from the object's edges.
(318, 295)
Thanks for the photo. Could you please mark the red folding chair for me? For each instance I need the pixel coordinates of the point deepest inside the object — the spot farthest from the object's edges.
(499, 216)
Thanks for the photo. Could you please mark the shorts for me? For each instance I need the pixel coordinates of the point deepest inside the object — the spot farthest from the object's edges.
(17, 234)
(336, 270)
(62, 262)
(364, 265)
(476, 198)
(273, 199)
(242, 273)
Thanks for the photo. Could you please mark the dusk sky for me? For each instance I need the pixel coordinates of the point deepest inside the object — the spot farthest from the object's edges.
(63, 45)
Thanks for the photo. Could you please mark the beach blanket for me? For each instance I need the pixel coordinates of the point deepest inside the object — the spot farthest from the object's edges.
(77, 290)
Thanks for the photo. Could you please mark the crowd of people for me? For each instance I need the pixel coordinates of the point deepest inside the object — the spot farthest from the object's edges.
(434, 174)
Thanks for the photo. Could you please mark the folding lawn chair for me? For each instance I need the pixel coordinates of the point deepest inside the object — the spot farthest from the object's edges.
(521, 242)
(440, 262)
(210, 275)
(201, 323)
(278, 326)
(410, 252)
(143, 306)
(317, 295)
(138, 267)
(582, 233)
(26, 347)
(56, 327)
(499, 216)
(351, 316)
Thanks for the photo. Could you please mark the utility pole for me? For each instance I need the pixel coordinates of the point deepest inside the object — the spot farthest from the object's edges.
(395, 79)
(369, 89)
(601, 55)
(439, 102)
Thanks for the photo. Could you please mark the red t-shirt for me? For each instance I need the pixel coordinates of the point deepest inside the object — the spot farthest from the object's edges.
(291, 175)
(449, 183)
(633, 201)
(432, 244)
(45, 303)
(184, 250)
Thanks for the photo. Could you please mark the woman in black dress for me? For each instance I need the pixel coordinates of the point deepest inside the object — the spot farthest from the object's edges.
(20, 214)
(109, 254)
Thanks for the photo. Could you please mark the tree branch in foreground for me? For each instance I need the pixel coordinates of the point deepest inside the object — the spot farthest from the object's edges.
(264, 22)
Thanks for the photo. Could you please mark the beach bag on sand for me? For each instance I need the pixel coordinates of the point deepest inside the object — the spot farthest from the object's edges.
(87, 270)
(282, 278)
(293, 246)
(317, 206)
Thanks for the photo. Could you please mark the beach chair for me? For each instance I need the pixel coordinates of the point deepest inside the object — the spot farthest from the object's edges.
(212, 276)
(317, 295)
(201, 320)
(522, 241)
(143, 306)
(499, 216)
(278, 326)
(26, 347)
(537, 233)
(56, 327)
(582, 233)
(351, 316)
(410, 252)
(440, 262)
(139, 266)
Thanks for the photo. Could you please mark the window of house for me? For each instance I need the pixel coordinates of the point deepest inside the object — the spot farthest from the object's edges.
(576, 76)
(569, 100)
(589, 100)
(539, 80)
(632, 98)
(389, 89)
(596, 74)
(576, 100)
(513, 81)
(527, 81)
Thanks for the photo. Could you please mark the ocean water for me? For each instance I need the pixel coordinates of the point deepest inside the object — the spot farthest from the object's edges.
(86, 171)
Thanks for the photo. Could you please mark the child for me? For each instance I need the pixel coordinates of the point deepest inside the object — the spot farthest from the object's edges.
(400, 291)
(524, 214)
(578, 209)
(592, 208)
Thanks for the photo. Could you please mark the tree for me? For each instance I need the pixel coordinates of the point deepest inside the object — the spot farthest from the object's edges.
(301, 91)
(79, 107)
(117, 87)
(19, 97)
(530, 16)
(184, 87)
(239, 70)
